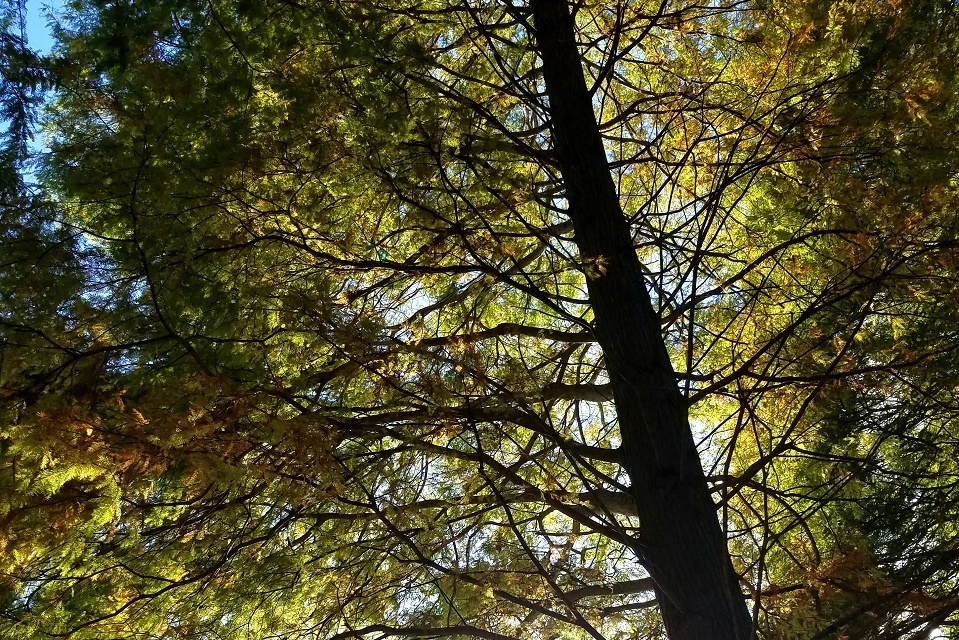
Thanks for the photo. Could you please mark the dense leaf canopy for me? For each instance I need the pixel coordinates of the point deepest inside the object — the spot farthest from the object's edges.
(296, 342)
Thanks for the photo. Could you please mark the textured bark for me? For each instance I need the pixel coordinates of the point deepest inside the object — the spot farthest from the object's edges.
(681, 543)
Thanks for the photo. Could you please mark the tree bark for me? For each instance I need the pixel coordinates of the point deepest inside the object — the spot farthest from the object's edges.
(681, 543)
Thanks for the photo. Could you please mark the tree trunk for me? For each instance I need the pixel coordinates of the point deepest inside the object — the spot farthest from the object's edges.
(681, 543)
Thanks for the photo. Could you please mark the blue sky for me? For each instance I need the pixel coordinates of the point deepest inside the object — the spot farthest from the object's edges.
(38, 34)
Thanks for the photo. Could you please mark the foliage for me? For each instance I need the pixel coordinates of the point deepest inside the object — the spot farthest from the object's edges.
(297, 343)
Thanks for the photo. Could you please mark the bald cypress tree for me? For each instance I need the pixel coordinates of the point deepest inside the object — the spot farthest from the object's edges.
(481, 319)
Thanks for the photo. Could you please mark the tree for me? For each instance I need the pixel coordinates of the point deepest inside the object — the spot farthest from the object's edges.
(465, 319)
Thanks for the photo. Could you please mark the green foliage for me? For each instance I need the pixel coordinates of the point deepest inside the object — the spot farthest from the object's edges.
(296, 341)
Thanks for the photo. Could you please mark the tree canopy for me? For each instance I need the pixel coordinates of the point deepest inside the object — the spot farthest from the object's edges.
(481, 319)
